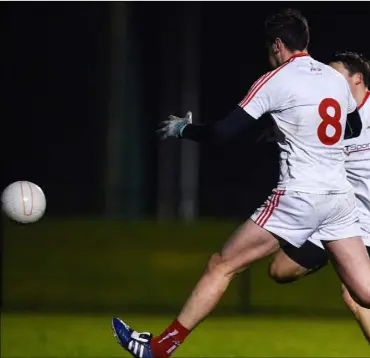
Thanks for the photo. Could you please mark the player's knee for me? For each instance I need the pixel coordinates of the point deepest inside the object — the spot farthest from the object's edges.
(281, 274)
(214, 262)
(218, 265)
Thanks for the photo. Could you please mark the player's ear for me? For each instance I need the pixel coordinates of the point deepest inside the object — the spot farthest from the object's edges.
(358, 78)
(277, 46)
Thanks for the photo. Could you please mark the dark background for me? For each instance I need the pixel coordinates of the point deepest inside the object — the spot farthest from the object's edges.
(59, 84)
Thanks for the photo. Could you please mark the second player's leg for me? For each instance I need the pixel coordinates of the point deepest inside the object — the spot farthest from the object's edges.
(351, 261)
(291, 263)
(340, 232)
(362, 314)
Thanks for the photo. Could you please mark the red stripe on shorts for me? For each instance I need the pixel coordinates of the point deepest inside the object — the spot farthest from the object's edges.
(269, 209)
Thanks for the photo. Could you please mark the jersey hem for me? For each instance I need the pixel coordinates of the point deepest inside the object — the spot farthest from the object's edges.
(318, 192)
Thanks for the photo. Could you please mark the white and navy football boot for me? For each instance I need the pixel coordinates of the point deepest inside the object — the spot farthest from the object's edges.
(136, 343)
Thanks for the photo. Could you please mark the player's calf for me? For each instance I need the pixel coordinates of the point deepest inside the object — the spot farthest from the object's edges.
(361, 314)
(291, 263)
(283, 270)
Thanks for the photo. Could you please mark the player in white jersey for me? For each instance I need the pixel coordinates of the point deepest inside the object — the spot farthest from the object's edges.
(309, 102)
(292, 263)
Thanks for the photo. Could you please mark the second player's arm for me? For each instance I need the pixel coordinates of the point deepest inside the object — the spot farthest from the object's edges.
(353, 125)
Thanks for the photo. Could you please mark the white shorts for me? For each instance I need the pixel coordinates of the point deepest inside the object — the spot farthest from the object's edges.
(317, 241)
(296, 216)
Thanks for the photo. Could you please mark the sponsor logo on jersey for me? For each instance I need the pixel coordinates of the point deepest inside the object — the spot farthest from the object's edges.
(353, 148)
(314, 68)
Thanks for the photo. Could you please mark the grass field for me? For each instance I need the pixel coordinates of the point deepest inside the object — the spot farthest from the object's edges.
(90, 336)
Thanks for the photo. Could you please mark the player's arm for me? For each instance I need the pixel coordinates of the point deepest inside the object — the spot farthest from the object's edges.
(220, 131)
(353, 125)
(261, 98)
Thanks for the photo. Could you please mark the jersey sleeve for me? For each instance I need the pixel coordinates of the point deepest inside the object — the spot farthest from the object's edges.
(265, 96)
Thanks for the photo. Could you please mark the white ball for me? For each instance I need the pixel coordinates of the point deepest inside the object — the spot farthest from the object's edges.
(23, 202)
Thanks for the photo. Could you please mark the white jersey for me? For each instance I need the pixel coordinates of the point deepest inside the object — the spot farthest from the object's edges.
(357, 151)
(309, 102)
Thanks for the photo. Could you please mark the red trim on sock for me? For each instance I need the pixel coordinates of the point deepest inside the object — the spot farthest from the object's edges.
(165, 344)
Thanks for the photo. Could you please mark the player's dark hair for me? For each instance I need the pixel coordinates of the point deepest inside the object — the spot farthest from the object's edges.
(354, 63)
(291, 27)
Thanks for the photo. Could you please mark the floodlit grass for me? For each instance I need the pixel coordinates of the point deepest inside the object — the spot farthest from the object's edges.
(26, 335)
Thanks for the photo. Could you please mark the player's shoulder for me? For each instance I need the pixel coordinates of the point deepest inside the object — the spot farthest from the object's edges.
(335, 79)
(330, 71)
(275, 76)
(297, 65)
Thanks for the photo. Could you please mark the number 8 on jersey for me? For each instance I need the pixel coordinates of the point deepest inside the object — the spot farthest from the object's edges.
(329, 120)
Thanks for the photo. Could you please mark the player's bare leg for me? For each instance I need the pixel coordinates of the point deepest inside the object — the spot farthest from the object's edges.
(351, 261)
(249, 244)
(283, 269)
(362, 314)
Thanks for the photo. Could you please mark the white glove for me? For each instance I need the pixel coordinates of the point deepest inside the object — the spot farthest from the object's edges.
(174, 126)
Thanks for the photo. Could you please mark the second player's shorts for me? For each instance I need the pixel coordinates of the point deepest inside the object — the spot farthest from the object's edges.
(295, 216)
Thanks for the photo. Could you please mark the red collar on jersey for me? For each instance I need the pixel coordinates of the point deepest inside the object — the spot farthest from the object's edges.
(367, 95)
(301, 54)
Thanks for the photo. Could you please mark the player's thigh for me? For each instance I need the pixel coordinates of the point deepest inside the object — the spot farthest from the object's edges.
(247, 245)
(290, 215)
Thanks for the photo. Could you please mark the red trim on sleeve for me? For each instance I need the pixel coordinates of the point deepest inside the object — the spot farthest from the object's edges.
(265, 78)
(261, 82)
(367, 95)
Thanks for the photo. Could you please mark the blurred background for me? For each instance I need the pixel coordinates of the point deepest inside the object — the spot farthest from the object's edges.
(131, 220)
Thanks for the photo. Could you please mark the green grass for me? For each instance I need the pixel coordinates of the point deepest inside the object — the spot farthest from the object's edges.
(47, 336)
(79, 265)
(82, 265)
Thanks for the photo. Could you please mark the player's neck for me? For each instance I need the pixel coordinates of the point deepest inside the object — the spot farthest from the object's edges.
(289, 54)
(359, 94)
